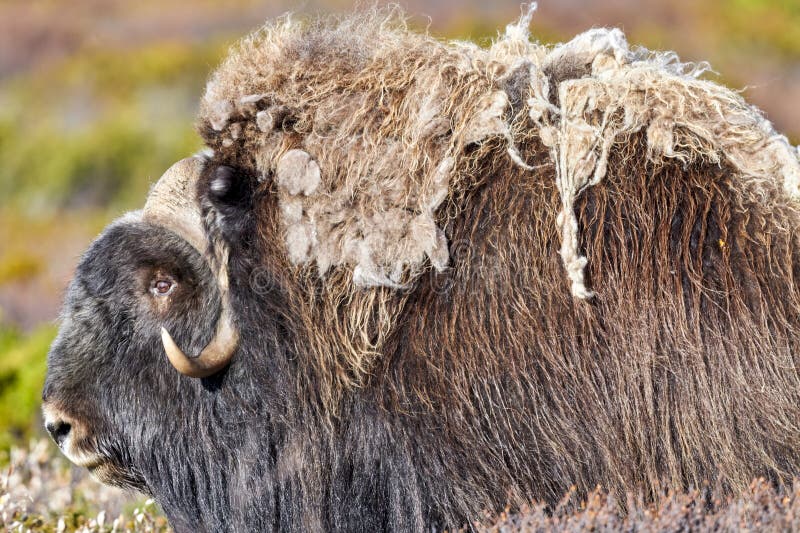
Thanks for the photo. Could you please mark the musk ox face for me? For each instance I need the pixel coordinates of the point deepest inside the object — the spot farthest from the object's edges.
(108, 378)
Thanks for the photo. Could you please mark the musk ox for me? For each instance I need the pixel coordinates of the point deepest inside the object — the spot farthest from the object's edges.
(410, 281)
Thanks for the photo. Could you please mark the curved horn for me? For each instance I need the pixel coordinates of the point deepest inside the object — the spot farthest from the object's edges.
(217, 353)
(171, 204)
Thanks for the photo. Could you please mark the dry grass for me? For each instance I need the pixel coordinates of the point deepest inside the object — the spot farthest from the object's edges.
(41, 492)
(760, 508)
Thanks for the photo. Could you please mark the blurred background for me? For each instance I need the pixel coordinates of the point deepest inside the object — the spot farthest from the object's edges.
(97, 99)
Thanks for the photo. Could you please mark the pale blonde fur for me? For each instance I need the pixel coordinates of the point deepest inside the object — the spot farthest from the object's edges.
(362, 177)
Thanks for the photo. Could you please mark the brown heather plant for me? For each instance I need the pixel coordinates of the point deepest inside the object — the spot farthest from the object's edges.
(759, 508)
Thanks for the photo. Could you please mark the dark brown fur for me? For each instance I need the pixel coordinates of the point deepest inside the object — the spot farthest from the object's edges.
(682, 370)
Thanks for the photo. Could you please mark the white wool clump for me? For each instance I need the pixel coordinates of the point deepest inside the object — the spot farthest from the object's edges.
(324, 226)
(490, 120)
(271, 118)
(221, 114)
(250, 102)
(299, 242)
(587, 47)
(297, 173)
(518, 31)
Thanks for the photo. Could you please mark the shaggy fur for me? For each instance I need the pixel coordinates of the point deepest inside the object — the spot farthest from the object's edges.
(397, 213)
(682, 369)
(396, 128)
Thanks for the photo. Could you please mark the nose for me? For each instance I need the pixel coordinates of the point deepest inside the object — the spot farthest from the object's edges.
(59, 430)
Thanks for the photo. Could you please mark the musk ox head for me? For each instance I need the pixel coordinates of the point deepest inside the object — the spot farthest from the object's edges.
(140, 291)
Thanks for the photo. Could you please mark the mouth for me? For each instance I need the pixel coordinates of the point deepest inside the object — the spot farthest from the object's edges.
(85, 460)
(100, 467)
(104, 472)
(80, 457)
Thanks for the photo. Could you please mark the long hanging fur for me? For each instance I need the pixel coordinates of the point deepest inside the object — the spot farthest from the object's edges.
(580, 260)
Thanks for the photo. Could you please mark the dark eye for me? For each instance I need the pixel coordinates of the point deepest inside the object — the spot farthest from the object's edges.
(162, 286)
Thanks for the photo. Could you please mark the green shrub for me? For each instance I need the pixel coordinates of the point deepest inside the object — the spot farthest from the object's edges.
(23, 362)
(758, 25)
(107, 124)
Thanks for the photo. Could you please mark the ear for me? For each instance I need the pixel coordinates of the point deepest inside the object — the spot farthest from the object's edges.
(226, 193)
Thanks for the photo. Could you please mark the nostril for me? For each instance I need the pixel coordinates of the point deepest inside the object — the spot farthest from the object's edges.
(59, 431)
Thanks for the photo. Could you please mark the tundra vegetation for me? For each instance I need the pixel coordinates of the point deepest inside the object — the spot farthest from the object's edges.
(104, 160)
